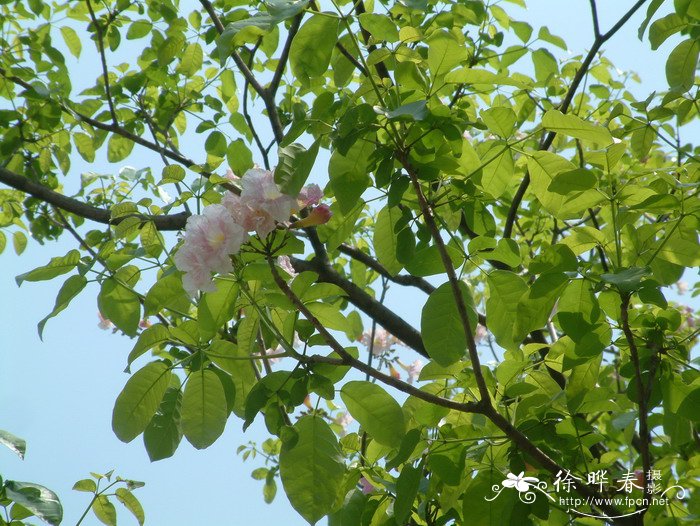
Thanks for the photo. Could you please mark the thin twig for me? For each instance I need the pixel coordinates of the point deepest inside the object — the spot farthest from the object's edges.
(566, 102)
(645, 437)
(103, 60)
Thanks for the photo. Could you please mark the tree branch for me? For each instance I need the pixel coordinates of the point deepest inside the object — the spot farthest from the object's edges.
(366, 303)
(645, 437)
(73, 206)
(452, 278)
(566, 102)
(400, 279)
(347, 359)
(103, 60)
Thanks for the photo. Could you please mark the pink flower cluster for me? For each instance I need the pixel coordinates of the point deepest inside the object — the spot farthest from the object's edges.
(383, 341)
(212, 237)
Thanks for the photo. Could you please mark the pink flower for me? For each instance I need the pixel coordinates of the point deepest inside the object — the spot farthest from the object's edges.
(310, 195)
(343, 420)
(286, 264)
(104, 323)
(682, 287)
(366, 486)
(273, 352)
(210, 240)
(481, 333)
(145, 323)
(383, 341)
(414, 370)
(318, 216)
(261, 204)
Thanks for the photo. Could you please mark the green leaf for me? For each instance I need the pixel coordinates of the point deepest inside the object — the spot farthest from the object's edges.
(119, 303)
(377, 412)
(441, 326)
(163, 434)
(19, 242)
(172, 173)
(578, 180)
(294, 166)
(681, 64)
(505, 290)
(13, 443)
(679, 250)
(104, 510)
(216, 144)
(216, 308)
(285, 9)
(87, 485)
(576, 127)
(191, 60)
(498, 170)
(348, 174)
(139, 400)
(151, 240)
(545, 35)
(311, 469)
(406, 490)
(312, 47)
(239, 157)
(72, 40)
(131, 503)
(381, 27)
(627, 280)
(138, 29)
(444, 53)
(500, 120)
(663, 28)
(414, 111)
(85, 145)
(118, 148)
(204, 409)
(55, 267)
(40, 500)
(69, 290)
(483, 77)
(385, 238)
(154, 335)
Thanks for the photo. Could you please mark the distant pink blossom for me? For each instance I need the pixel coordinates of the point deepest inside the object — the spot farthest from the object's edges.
(366, 486)
(682, 287)
(104, 323)
(145, 323)
(310, 195)
(383, 341)
(210, 240)
(273, 352)
(286, 264)
(413, 370)
(481, 333)
(343, 420)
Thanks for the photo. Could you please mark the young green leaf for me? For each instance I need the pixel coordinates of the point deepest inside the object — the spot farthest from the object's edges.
(377, 412)
(204, 409)
(311, 469)
(139, 400)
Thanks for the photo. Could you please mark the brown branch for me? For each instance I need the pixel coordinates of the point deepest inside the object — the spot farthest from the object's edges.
(284, 55)
(400, 279)
(103, 60)
(644, 435)
(452, 278)
(267, 96)
(347, 359)
(73, 206)
(566, 102)
(387, 318)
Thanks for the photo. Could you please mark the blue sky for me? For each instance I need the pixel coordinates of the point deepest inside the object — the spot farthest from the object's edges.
(58, 394)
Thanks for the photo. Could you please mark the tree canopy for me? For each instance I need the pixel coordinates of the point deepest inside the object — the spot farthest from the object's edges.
(314, 161)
